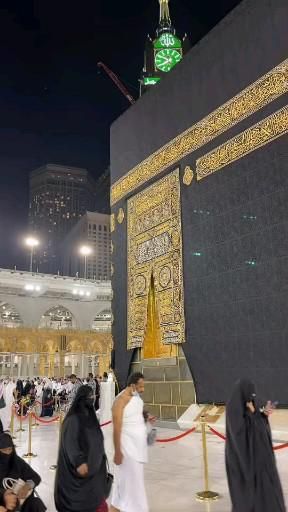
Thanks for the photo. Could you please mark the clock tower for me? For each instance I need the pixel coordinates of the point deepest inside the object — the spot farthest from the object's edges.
(164, 51)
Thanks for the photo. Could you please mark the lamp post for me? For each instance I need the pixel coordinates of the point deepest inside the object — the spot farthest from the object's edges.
(85, 251)
(31, 243)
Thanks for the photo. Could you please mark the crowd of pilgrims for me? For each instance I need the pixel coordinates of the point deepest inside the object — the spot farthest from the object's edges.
(13, 469)
(48, 393)
(81, 483)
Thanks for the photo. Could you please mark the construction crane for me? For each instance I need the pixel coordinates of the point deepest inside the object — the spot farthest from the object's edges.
(117, 82)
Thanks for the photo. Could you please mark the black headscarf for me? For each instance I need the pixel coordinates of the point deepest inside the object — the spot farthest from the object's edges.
(6, 441)
(19, 387)
(6, 461)
(83, 405)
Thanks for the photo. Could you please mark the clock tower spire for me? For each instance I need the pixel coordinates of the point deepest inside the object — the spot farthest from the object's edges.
(164, 20)
(164, 51)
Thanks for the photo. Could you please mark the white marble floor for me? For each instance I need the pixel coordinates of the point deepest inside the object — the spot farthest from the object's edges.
(173, 476)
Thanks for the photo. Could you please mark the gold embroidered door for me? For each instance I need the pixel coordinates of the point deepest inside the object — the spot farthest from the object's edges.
(155, 268)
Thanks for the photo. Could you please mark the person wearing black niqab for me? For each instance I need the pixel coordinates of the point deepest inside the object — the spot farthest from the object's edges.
(14, 467)
(252, 474)
(80, 484)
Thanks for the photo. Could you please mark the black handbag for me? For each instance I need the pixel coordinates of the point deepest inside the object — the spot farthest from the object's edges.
(109, 480)
(2, 402)
(109, 483)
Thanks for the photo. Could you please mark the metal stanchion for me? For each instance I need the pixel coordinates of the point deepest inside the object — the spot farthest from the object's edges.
(205, 495)
(56, 405)
(29, 454)
(61, 419)
(21, 429)
(35, 424)
(12, 422)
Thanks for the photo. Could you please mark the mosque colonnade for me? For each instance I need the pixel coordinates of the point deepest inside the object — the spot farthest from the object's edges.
(31, 352)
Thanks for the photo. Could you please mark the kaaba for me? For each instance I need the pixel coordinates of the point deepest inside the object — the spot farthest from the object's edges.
(199, 219)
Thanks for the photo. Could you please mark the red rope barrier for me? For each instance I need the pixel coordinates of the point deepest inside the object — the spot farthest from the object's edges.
(170, 439)
(218, 434)
(104, 424)
(56, 418)
(280, 446)
(275, 448)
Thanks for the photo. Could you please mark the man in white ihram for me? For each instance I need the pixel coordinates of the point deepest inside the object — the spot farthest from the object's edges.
(130, 444)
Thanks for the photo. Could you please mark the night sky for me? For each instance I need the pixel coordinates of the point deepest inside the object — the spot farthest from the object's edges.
(55, 105)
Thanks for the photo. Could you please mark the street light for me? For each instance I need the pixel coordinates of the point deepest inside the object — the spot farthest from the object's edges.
(85, 251)
(31, 243)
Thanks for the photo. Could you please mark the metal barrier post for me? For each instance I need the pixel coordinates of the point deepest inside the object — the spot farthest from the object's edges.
(205, 495)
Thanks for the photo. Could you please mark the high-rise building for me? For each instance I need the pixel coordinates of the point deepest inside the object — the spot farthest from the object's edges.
(59, 196)
(164, 51)
(92, 231)
(102, 193)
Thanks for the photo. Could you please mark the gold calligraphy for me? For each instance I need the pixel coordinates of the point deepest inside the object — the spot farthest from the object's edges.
(251, 139)
(253, 98)
(155, 250)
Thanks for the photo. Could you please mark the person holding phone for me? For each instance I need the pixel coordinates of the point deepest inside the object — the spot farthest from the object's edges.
(253, 479)
(14, 468)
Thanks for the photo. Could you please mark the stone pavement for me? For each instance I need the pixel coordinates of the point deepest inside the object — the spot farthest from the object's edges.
(173, 476)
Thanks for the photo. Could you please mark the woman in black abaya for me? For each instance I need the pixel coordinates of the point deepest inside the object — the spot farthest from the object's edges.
(252, 474)
(47, 399)
(14, 467)
(80, 484)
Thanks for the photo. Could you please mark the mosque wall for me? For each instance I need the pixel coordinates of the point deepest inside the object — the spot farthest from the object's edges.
(220, 118)
(31, 309)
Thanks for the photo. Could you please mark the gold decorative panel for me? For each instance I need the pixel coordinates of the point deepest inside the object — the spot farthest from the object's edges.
(250, 100)
(155, 251)
(188, 176)
(251, 139)
(120, 216)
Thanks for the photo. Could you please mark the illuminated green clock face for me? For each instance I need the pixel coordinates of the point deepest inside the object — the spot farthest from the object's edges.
(166, 59)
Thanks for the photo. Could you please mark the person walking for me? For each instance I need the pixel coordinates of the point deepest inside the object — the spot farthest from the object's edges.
(252, 474)
(75, 385)
(47, 398)
(81, 478)
(131, 452)
(91, 383)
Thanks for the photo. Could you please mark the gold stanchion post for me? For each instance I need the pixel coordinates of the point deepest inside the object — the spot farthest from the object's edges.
(56, 406)
(21, 429)
(205, 495)
(61, 419)
(35, 424)
(29, 454)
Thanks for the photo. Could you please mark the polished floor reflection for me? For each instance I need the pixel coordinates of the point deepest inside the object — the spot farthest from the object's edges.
(173, 475)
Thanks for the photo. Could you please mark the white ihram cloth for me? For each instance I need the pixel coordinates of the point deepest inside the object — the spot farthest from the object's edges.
(129, 493)
(5, 413)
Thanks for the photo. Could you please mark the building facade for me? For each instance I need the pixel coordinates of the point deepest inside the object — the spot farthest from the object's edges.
(93, 231)
(102, 193)
(59, 196)
(52, 325)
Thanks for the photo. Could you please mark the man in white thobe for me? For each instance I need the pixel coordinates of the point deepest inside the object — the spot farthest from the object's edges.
(130, 444)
